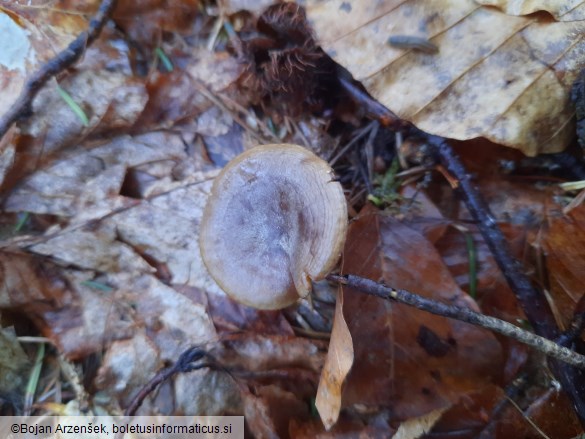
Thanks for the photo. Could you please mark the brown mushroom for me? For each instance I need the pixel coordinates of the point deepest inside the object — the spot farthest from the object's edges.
(275, 221)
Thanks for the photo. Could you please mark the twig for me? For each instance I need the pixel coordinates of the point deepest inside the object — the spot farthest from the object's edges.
(373, 108)
(64, 59)
(185, 363)
(533, 302)
(541, 344)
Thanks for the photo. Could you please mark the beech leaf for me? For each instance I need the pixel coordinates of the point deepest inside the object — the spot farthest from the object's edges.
(496, 76)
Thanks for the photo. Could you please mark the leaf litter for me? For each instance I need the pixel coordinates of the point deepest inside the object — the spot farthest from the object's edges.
(111, 274)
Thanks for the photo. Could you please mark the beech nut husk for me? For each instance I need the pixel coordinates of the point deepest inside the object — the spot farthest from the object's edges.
(274, 222)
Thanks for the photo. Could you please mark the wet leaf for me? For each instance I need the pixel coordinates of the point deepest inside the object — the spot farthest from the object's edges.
(496, 76)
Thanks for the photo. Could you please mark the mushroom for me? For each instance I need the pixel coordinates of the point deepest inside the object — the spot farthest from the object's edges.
(274, 222)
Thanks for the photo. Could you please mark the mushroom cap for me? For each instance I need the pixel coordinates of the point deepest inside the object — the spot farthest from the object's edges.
(275, 221)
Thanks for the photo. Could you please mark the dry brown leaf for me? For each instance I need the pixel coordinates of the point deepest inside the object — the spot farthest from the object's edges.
(26, 279)
(257, 352)
(269, 411)
(87, 183)
(407, 360)
(416, 427)
(121, 243)
(337, 365)
(277, 376)
(562, 10)
(564, 242)
(128, 365)
(496, 76)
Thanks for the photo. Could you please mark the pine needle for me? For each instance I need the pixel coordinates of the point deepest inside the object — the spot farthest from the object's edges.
(73, 105)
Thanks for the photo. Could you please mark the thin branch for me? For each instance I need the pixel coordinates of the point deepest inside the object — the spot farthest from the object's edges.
(541, 344)
(187, 362)
(373, 108)
(532, 300)
(22, 107)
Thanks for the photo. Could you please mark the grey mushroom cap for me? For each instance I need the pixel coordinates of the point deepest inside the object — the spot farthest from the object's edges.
(274, 222)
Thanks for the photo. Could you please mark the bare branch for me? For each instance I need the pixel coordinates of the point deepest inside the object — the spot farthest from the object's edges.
(64, 59)
(531, 299)
(539, 343)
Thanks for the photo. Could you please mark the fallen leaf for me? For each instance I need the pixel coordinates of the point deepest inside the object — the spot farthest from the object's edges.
(88, 184)
(230, 316)
(496, 76)
(256, 352)
(471, 413)
(128, 365)
(416, 427)
(550, 411)
(407, 360)
(27, 279)
(337, 365)
(564, 241)
(107, 97)
(269, 410)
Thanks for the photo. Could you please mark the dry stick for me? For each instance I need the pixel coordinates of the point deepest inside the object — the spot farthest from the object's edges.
(541, 344)
(185, 363)
(64, 59)
(373, 108)
(532, 301)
